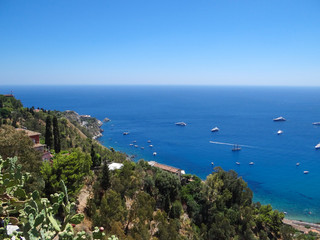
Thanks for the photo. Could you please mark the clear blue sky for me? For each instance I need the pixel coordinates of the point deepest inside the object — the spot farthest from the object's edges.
(212, 42)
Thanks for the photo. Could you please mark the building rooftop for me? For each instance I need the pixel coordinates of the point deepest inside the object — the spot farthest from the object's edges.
(114, 166)
(166, 167)
(28, 132)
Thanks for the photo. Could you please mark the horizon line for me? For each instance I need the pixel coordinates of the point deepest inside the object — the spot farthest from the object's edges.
(153, 85)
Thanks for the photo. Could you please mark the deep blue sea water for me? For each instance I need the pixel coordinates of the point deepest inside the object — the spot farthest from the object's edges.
(244, 116)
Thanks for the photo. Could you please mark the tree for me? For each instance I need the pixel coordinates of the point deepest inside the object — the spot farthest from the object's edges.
(48, 134)
(17, 143)
(71, 168)
(105, 178)
(169, 188)
(95, 157)
(56, 134)
(112, 209)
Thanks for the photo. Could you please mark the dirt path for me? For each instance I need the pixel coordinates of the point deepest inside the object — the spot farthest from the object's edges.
(83, 197)
(303, 226)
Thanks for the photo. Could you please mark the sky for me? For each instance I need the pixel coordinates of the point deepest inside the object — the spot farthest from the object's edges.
(160, 42)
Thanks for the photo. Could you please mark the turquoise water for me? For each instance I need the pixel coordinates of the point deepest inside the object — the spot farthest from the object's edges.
(244, 116)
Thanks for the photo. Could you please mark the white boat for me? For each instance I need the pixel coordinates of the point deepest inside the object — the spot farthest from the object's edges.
(237, 163)
(125, 133)
(279, 132)
(215, 129)
(305, 172)
(154, 153)
(181, 124)
(251, 163)
(279, 119)
(316, 123)
(149, 141)
(150, 145)
(136, 146)
(134, 141)
(142, 148)
(131, 144)
(317, 146)
(297, 164)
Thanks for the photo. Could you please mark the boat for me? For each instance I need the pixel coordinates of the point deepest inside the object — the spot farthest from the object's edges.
(150, 145)
(125, 133)
(279, 132)
(154, 153)
(131, 144)
(236, 148)
(136, 146)
(142, 148)
(297, 164)
(237, 163)
(215, 129)
(305, 172)
(134, 141)
(317, 146)
(316, 123)
(251, 163)
(181, 124)
(279, 119)
(149, 141)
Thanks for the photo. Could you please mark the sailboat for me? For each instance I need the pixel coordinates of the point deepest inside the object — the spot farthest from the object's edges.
(236, 148)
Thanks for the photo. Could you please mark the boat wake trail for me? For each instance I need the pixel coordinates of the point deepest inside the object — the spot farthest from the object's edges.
(231, 144)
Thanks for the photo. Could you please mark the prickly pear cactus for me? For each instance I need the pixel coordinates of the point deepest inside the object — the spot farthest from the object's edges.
(36, 216)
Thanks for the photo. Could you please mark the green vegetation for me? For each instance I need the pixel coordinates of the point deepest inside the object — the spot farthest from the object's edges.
(48, 134)
(37, 217)
(135, 202)
(70, 167)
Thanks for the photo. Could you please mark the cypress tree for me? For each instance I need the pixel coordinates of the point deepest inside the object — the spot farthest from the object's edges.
(48, 135)
(105, 178)
(56, 135)
(94, 158)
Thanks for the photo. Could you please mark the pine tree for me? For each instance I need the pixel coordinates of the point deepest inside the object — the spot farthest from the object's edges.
(56, 135)
(48, 135)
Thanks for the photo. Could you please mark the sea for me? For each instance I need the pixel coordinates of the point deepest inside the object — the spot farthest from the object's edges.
(244, 116)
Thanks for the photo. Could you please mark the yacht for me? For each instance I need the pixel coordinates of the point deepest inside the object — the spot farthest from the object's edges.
(237, 163)
(279, 132)
(142, 148)
(215, 129)
(317, 146)
(136, 146)
(236, 148)
(131, 144)
(154, 153)
(134, 141)
(305, 172)
(149, 141)
(125, 133)
(316, 123)
(279, 119)
(251, 163)
(150, 145)
(297, 164)
(181, 124)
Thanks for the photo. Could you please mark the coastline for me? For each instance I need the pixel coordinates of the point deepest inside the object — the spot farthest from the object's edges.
(301, 226)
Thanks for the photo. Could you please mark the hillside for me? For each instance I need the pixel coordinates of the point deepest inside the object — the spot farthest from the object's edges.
(136, 201)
